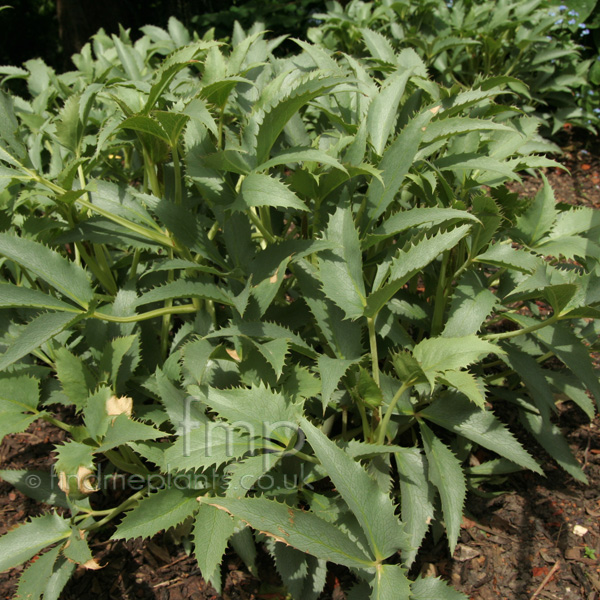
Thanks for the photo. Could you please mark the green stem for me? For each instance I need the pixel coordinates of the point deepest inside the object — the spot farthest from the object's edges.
(156, 236)
(117, 510)
(373, 346)
(390, 410)
(108, 284)
(365, 422)
(177, 175)
(166, 320)
(159, 312)
(50, 419)
(510, 334)
(308, 458)
(99, 251)
(150, 169)
(134, 263)
(259, 225)
(440, 298)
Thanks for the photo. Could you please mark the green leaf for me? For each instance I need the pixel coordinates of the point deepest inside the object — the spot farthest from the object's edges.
(34, 334)
(184, 289)
(504, 255)
(130, 59)
(472, 302)
(390, 583)
(147, 126)
(417, 495)
(77, 549)
(75, 378)
(165, 75)
(39, 485)
(396, 162)
(19, 393)
(45, 577)
(341, 269)
(331, 371)
(9, 126)
(551, 439)
(415, 217)
(265, 330)
(196, 355)
(568, 348)
(383, 110)
(301, 529)
(571, 387)
(538, 219)
(212, 530)
(463, 381)
(430, 588)
(25, 541)
(442, 354)
(262, 190)
(71, 455)
(19, 297)
(300, 155)
(483, 169)
(243, 475)
(303, 575)
(69, 128)
(265, 292)
(123, 430)
(173, 123)
(159, 511)
(65, 276)
(274, 352)
(368, 391)
(262, 411)
(276, 117)
(372, 507)
(118, 358)
(533, 376)
(342, 336)
(14, 422)
(444, 128)
(206, 445)
(407, 368)
(455, 413)
(446, 474)
(411, 261)
(379, 46)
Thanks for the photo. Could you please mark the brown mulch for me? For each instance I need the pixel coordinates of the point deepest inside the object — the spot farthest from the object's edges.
(522, 544)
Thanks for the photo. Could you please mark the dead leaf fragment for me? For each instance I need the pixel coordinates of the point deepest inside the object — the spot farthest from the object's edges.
(118, 406)
(463, 553)
(92, 565)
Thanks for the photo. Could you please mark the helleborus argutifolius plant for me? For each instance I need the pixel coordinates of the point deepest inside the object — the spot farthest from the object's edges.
(283, 297)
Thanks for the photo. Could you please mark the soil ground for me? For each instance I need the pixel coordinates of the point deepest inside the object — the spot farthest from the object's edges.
(538, 539)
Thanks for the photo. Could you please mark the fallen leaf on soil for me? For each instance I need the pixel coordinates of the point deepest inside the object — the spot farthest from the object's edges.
(464, 553)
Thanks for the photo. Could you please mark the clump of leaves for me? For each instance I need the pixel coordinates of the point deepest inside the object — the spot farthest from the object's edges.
(464, 41)
(283, 297)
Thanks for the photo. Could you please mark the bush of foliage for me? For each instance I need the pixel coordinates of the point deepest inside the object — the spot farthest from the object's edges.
(281, 300)
(466, 41)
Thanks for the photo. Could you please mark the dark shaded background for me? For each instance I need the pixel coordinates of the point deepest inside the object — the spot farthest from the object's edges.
(56, 29)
